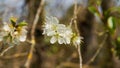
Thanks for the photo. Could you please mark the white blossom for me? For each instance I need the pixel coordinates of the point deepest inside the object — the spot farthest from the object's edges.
(21, 34)
(5, 31)
(59, 32)
(58, 36)
(13, 34)
(51, 26)
(66, 33)
(60, 39)
(76, 40)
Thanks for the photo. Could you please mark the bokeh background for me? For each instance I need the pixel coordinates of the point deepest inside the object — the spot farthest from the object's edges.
(92, 19)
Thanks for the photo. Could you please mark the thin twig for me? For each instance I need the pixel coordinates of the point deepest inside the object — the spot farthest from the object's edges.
(75, 9)
(75, 17)
(80, 56)
(6, 50)
(30, 55)
(98, 50)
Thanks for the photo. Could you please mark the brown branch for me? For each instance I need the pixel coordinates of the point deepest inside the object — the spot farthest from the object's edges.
(27, 64)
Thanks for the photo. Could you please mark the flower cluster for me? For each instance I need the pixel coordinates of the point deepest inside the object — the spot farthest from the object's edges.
(59, 32)
(13, 32)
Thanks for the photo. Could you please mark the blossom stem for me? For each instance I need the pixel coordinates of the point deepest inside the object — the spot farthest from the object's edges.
(76, 28)
(80, 56)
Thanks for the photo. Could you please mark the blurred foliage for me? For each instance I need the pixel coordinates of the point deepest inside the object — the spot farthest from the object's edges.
(111, 16)
(48, 55)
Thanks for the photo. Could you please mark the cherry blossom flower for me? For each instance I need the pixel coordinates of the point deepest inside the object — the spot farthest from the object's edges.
(59, 32)
(51, 26)
(13, 32)
(76, 40)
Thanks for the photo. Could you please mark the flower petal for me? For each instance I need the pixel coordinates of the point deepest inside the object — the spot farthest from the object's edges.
(6, 27)
(53, 40)
(61, 40)
(51, 33)
(68, 40)
(22, 38)
(55, 20)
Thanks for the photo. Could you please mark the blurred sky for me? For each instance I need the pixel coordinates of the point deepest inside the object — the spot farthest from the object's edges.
(10, 8)
(53, 7)
(59, 7)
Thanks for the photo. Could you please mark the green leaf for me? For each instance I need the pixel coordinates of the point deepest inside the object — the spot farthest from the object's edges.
(114, 10)
(111, 24)
(92, 9)
(23, 23)
(95, 10)
(13, 21)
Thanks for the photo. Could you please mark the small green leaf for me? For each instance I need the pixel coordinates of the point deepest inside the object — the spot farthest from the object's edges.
(13, 21)
(92, 9)
(111, 24)
(114, 10)
(22, 23)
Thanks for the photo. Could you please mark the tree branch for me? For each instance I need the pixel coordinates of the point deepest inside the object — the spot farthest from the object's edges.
(76, 28)
(30, 55)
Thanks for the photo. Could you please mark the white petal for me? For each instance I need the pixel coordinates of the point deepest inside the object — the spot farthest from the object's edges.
(6, 27)
(48, 19)
(51, 33)
(68, 40)
(48, 26)
(55, 20)
(77, 40)
(44, 31)
(61, 29)
(53, 40)
(61, 40)
(22, 38)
